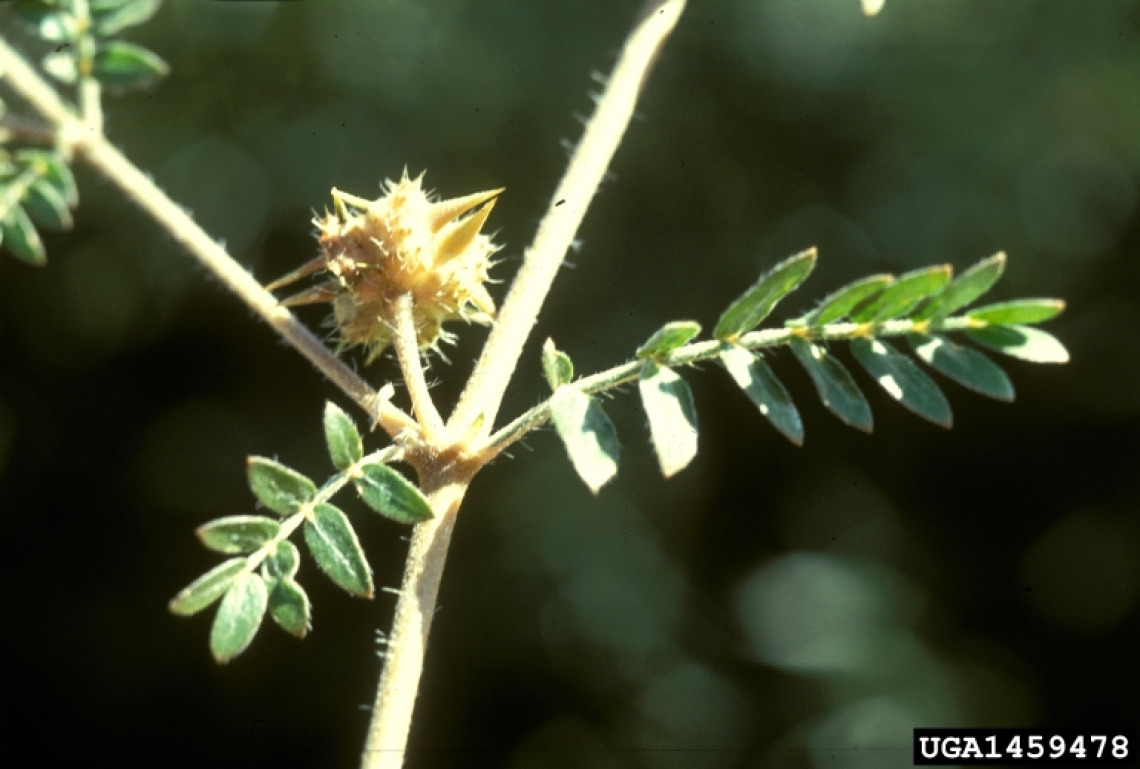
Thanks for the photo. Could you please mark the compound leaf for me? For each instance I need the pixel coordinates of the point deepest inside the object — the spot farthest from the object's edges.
(391, 494)
(841, 302)
(903, 380)
(556, 365)
(668, 338)
(1025, 342)
(239, 616)
(907, 291)
(755, 304)
(965, 288)
(588, 435)
(289, 606)
(238, 533)
(1017, 311)
(279, 488)
(755, 377)
(342, 437)
(668, 403)
(834, 384)
(964, 365)
(206, 589)
(336, 550)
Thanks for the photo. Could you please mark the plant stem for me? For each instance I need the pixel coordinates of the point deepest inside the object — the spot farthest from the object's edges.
(484, 392)
(80, 137)
(408, 354)
(404, 659)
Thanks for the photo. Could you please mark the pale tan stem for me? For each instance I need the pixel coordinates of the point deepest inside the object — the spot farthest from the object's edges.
(92, 146)
(408, 352)
(407, 643)
(485, 389)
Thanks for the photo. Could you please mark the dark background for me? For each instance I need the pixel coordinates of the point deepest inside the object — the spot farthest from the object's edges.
(770, 606)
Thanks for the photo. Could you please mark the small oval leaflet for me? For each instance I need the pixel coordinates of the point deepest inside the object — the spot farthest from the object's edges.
(834, 384)
(902, 295)
(120, 66)
(289, 607)
(238, 618)
(336, 550)
(755, 304)
(964, 289)
(1024, 342)
(391, 494)
(238, 533)
(1017, 311)
(281, 489)
(903, 380)
(840, 303)
(283, 562)
(588, 435)
(668, 338)
(964, 365)
(755, 377)
(206, 589)
(19, 236)
(668, 403)
(342, 437)
(47, 206)
(556, 365)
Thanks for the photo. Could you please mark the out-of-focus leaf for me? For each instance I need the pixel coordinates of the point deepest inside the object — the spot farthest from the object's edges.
(391, 494)
(49, 20)
(964, 365)
(279, 488)
(668, 403)
(289, 607)
(834, 384)
(54, 170)
(336, 550)
(47, 206)
(965, 288)
(206, 589)
(112, 16)
(1025, 342)
(556, 365)
(61, 66)
(239, 616)
(755, 304)
(122, 66)
(588, 435)
(755, 377)
(1018, 311)
(840, 303)
(238, 533)
(342, 437)
(668, 338)
(899, 297)
(20, 237)
(903, 380)
(283, 562)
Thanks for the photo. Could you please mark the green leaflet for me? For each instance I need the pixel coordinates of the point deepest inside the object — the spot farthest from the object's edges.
(279, 488)
(757, 302)
(835, 386)
(898, 298)
(754, 376)
(588, 435)
(206, 589)
(283, 562)
(238, 533)
(47, 206)
(903, 380)
(1017, 311)
(964, 365)
(556, 365)
(289, 606)
(19, 235)
(341, 437)
(668, 338)
(668, 403)
(840, 303)
(964, 289)
(391, 494)
(112, 16)
(239, 616)
(121, 66)
(336, 550)
(1025, 342)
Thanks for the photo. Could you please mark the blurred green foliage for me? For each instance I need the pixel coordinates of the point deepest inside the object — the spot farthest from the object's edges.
(769, 606)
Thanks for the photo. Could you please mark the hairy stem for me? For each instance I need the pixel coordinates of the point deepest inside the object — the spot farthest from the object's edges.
(79, 137)
(488, 383)
(408, 353)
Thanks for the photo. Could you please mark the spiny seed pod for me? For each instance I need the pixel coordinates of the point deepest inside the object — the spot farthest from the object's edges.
(401, 243)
